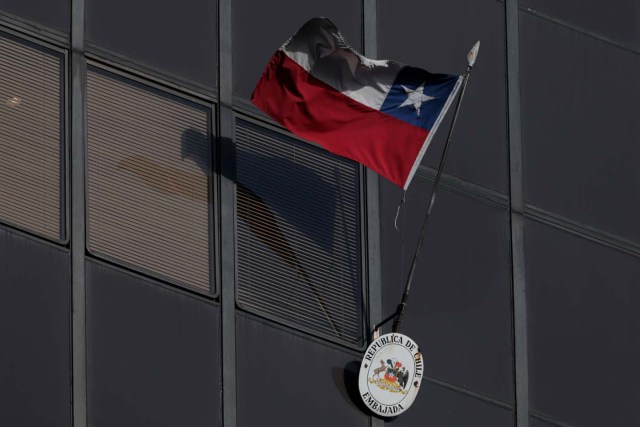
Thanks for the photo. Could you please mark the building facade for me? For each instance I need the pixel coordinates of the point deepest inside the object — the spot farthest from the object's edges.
(169, 256)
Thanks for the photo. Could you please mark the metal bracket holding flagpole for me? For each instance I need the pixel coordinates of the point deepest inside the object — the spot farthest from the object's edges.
(398, 314)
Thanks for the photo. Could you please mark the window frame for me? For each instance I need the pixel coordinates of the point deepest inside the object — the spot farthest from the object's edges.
(65, 152)
(212, 180)
(243, 114)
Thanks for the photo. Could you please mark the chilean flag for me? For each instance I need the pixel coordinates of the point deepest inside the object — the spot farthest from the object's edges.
(380, 113)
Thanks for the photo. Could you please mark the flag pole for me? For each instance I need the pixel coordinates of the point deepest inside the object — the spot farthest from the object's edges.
(397, 316)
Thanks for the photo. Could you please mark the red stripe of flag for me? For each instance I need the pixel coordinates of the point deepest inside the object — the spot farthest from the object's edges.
(317, 112)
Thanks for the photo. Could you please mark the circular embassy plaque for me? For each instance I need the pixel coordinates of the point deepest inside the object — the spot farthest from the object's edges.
(390, 374)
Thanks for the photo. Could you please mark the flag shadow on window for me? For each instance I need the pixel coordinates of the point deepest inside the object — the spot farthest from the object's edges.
(269, 201)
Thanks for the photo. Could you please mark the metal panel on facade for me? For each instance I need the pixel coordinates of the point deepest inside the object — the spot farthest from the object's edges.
(288, 380)
(153, 353)
(149, 175)
(35, 342)
(580, 127)
(459, 309)
(299, 256)
(32, 138)
(583, 322)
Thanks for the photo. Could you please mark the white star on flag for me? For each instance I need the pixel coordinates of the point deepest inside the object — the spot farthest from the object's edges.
(415, 97)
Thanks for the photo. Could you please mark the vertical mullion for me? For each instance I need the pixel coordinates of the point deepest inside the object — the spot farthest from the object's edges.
(227, 214)
(372, 212)
(517, 217)
(78, 225)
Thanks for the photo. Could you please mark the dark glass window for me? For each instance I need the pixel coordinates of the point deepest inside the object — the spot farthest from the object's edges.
(299, 240)
(32, 138)
(149, 163)
(171, 37)
(54, 14)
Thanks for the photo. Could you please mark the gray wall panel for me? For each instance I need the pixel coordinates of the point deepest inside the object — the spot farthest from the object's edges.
(615, 19)
(583, 329)
(52, 13)
(260, 28)
(153, 353)
(295, 380)
(437, 36)
(35, 362)
(459, 309)
(173, 36)
(438, 406)
(580, 127)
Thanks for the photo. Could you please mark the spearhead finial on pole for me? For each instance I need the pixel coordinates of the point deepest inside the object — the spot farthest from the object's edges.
(473, 54)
